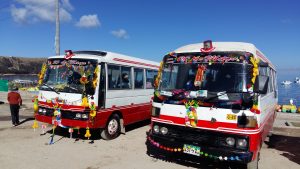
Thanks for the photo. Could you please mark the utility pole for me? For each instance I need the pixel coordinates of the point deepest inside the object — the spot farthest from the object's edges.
(57, 34)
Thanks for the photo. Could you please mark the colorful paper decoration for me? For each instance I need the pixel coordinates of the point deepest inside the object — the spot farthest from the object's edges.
(199, 75)
(191, 118)
(83, 80)
(68, 54)
(207, 46)
(255, 108)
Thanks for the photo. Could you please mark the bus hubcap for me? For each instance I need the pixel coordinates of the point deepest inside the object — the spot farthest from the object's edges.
(112, 126)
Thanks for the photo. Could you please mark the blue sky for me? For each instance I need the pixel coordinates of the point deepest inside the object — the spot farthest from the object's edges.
(151, 28)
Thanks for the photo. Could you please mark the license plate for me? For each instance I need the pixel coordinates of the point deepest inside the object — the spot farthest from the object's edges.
(190, 149)
(231, 117)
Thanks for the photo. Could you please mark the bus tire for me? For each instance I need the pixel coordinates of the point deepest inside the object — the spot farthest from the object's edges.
(112, 129)
(253, 164)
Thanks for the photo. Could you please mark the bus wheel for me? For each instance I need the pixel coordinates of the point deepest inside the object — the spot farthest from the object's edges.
(254, 164)
(112, 129)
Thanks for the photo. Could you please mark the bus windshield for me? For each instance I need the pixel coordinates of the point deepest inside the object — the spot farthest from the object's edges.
(64, 75)
(218, 77)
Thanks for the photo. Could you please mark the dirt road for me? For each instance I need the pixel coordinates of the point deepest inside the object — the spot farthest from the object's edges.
(23, 148)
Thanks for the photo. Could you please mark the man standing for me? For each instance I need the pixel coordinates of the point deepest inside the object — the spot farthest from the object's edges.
(15, 101)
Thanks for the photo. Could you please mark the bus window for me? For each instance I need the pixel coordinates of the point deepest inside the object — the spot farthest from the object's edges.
(114, 77)
(126, 78)
(150, 78)
(138, 78)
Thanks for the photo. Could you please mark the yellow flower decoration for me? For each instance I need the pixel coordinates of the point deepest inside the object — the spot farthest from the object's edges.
(35, 124)
(92, 110)
(156, 82)
(85, 102)
(254, 62)
(95, 78)
(42, 74)
(87, 133)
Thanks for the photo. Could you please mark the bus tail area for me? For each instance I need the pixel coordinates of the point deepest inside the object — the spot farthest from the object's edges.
(95, 89)
(213, 101)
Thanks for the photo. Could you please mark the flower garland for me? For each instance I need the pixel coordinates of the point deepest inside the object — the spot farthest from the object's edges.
(95, 77)
(42, 74)
(201, 153)
(255, 73)
(254, 62)
(92, 111)
(158, 78)
(35, 111)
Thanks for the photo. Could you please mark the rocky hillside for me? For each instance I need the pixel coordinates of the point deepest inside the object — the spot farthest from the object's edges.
(19, 65)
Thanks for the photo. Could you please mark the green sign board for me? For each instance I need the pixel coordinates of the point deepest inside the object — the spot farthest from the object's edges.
(3, 85)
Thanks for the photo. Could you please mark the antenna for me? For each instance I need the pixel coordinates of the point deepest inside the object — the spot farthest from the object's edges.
(57, 34)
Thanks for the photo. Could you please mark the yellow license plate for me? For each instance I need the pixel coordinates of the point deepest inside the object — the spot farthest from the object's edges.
(231, 117)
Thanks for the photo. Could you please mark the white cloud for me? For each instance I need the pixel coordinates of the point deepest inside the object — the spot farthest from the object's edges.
(30, 11)
(121, 33)
(88, 21)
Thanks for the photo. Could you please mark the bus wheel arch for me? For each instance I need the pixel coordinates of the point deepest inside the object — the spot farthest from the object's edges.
(113, 127)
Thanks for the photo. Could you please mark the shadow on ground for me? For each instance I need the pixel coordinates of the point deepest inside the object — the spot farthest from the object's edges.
(290, 146)
(78, 134)
(8, 118)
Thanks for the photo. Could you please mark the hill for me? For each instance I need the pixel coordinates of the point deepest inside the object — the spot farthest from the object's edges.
(20, 65)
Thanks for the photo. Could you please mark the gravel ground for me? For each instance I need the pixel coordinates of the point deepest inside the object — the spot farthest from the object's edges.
(23, 148)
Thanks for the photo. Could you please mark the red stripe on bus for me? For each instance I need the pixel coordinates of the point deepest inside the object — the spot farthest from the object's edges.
(205, 123)
(134, 62)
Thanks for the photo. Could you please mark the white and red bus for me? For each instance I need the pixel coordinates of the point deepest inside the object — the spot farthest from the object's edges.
(95, 89)
(214, 100)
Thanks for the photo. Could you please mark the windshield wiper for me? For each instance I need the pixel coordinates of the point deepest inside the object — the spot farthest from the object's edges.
(73, 88)
(218, 94)
(52, 89)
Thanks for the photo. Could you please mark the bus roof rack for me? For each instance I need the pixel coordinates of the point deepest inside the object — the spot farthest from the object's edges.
(91, 52)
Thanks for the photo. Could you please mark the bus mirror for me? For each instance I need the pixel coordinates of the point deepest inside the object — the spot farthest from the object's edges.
(261, 84)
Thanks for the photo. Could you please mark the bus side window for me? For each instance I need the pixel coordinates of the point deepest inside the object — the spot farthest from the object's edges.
(138, 78)
(125, 82)
(150, 78)
(114, 76)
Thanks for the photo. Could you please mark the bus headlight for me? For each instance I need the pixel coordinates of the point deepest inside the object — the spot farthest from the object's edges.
(156, 129)
(164, 130)
(78, 115)
(241, 143)
(230, 141)
(40, 110)
(84, 116)
(44, 111)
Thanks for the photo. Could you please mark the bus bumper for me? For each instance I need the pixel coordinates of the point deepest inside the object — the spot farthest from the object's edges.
(175, 147)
